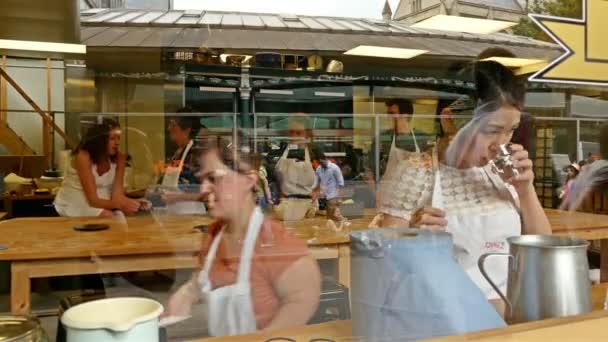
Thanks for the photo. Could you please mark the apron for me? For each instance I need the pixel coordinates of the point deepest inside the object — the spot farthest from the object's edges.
(297, 178)
(171, 180)
(406, 183)
(230, 308)
(480, 232)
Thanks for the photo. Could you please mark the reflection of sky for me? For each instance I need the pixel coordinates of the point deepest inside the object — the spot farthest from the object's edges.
(335, 8)
(587, 106)
(581, 105)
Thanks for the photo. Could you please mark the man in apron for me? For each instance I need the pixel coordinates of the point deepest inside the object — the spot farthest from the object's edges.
(295, 172)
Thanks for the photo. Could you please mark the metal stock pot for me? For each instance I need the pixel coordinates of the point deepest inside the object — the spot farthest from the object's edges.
(21, 329)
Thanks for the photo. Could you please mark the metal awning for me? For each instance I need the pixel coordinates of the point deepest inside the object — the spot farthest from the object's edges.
(250, 31)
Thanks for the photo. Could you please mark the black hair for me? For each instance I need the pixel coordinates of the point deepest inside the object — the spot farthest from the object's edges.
(185, 122)
(497, 84)
(495, 52)
(405, 105)
(95, 140)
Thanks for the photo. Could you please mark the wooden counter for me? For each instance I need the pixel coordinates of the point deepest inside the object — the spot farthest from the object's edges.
(587, 328)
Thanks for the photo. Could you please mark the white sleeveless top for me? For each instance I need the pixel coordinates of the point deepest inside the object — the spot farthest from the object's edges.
(71, 200)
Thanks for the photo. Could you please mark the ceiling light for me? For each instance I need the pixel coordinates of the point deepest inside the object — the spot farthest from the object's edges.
(386, 52)
(463, 24)
(511, 62)
(27, 45)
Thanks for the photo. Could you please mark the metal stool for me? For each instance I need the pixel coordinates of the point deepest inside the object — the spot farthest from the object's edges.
(334, 303)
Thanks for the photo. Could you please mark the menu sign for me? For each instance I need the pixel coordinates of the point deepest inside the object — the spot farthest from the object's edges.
(586, 57)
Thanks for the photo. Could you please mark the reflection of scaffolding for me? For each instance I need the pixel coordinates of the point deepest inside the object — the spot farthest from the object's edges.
(9, 137)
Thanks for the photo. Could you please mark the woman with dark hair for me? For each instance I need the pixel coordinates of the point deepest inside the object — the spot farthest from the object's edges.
(464, 192)
(94, 182)
(181, 186)
(255, 275)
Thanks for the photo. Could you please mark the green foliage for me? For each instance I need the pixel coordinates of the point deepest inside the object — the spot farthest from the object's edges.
(558, 8)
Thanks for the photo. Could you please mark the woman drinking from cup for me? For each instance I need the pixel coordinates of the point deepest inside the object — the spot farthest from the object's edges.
(466, 193)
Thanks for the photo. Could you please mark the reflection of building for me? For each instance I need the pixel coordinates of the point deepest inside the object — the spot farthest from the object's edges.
(141, 64)
(413, 11)
(154, 62)
(129, 4)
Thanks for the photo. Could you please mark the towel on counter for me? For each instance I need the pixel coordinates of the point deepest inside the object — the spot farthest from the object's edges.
(407, 286)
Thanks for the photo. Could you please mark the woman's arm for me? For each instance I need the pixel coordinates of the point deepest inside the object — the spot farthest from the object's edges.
(299, 290)
(118, 190)
(84, 166)
(181, 196)
(533, 217)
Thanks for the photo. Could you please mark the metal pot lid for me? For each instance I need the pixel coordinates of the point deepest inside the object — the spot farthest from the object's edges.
(13, 328)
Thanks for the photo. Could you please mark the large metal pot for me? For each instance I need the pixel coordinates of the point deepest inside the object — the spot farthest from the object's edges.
(548, 277)
(21, 329)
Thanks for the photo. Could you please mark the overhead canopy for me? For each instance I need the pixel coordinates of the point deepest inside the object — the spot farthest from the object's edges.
(229, 30)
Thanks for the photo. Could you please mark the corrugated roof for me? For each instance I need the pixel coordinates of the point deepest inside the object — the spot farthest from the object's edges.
(193, 29)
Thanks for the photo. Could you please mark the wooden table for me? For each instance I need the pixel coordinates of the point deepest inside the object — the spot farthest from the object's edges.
(582, 225)
(49, 247)
(585, 226)
(589, 327)
(2, 215)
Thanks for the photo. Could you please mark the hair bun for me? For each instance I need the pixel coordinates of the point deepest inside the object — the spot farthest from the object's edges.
(495, 82)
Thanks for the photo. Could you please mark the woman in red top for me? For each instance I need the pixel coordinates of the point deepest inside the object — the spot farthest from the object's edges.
(256, 275)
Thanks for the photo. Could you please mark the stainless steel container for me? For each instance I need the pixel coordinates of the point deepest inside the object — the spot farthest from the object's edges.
(548, 277)
(21, 329)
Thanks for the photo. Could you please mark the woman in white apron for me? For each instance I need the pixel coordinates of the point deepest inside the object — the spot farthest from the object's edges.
(480, 208)
(255, 274)
(179, 182)
(297, 177)
(93, 184)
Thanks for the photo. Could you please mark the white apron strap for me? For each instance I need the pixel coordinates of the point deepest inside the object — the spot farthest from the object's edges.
(185, 154)
(415, 141)
(437, 199)
(393, 146)
(210, 257)
(255, 224)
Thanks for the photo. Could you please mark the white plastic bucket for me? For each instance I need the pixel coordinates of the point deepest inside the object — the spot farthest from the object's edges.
(113, 319)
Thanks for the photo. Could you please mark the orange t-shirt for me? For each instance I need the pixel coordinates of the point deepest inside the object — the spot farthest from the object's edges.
(276, 249)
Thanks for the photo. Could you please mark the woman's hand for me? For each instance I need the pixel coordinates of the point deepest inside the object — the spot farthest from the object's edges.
(429, 218)
(524, 182)
(180, 303)
(128, 206)
(145, 205)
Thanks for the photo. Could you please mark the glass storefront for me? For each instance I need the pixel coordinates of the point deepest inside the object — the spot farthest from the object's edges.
(199, 174)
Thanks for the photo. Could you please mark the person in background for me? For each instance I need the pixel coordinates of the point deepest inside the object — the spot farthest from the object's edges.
(572, 171)
(255, 275)
(329, 183)
(94, 181)
(262, 187)
(181, 190)
(400, 138)
(295, 171)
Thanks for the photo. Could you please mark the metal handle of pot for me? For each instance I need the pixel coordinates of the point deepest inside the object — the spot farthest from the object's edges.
(481, 264)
